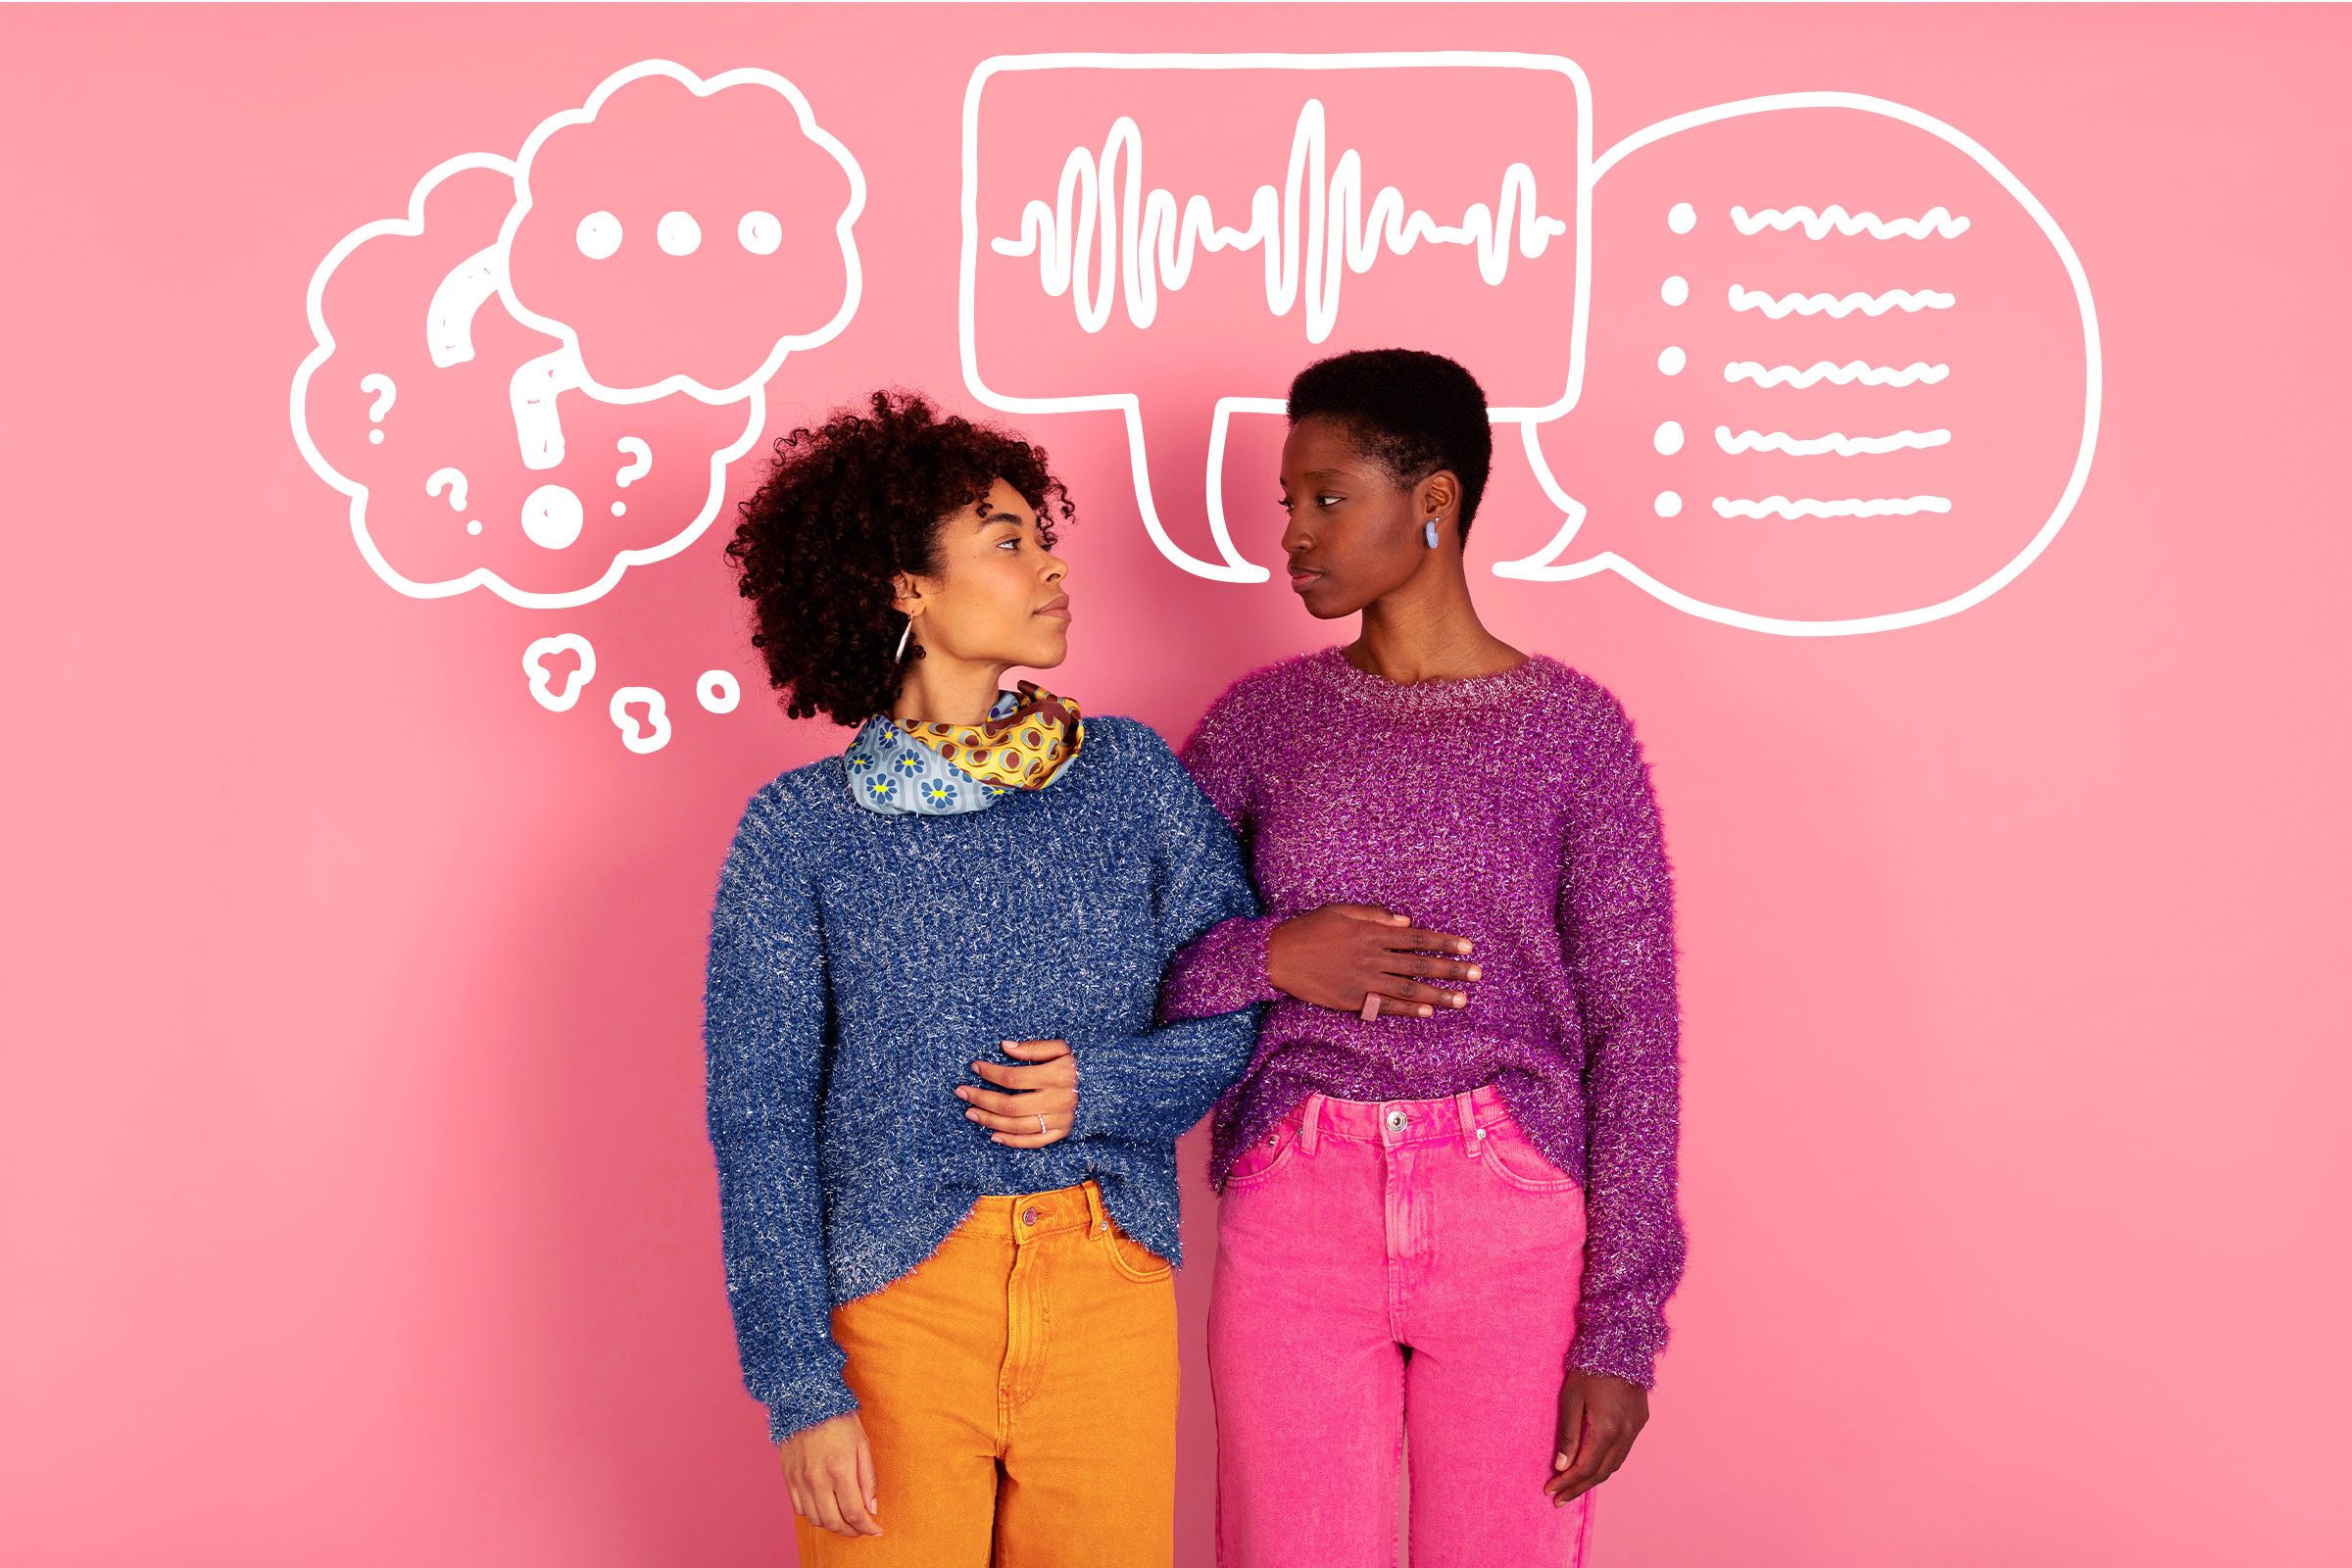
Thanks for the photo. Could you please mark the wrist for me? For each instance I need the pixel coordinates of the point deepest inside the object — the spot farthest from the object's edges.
(1272, 954)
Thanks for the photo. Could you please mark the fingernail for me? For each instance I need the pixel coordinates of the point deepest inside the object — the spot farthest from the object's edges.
(1461, 947)
(1559, 1462)
(1460, 1001)
(971, 1116)
(1425, 1011)
(1474, 971)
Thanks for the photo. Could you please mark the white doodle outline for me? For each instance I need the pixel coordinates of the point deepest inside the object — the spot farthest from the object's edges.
(1543, 564)
(1237, 567)
(656, 733)
(728, 692)
(561, 642)
(586, 113)
(1937, 223)
(480, 576)
(752, 393)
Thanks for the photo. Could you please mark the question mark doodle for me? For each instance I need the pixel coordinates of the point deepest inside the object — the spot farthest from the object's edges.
(637, 469)
(455, 479)
(381, 384)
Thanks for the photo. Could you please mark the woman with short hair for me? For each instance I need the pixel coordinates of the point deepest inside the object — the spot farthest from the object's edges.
(1448, 1175)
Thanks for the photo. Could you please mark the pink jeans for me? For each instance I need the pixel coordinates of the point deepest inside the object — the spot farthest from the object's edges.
(1359, 1230)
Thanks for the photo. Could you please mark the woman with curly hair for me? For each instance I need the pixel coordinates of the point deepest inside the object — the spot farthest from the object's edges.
(942, 1113)
(1447, 1177)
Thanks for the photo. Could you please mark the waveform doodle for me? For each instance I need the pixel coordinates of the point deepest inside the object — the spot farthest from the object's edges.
(1313, 231)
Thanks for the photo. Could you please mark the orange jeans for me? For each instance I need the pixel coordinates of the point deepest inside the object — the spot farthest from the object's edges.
(1018, 1389)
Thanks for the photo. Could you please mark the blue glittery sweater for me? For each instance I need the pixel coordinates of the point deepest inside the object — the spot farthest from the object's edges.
(860, 963)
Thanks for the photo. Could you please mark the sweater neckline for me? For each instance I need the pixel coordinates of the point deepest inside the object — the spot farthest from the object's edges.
(1448, 691)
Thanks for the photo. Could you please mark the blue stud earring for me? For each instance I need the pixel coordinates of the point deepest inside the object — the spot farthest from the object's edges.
(1429, 531)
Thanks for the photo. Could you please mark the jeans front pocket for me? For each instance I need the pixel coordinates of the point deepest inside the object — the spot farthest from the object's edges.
(1264, 1158)
(1507, 1151)
(1132, 1257)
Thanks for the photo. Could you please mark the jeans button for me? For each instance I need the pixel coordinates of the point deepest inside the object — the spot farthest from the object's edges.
(1395, 1121)
(1029, 1215)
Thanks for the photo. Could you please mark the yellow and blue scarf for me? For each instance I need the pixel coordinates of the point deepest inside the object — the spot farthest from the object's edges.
(1027, 740)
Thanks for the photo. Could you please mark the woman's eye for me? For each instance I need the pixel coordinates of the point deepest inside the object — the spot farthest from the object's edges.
(1326, 498)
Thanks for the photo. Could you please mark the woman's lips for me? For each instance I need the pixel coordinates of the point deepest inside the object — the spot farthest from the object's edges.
(1300, 581)
(1060, 611)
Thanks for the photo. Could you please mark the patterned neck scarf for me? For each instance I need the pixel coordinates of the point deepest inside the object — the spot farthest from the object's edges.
(900, 765)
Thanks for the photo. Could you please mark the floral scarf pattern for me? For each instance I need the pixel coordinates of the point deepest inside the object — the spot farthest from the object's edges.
(909, 765)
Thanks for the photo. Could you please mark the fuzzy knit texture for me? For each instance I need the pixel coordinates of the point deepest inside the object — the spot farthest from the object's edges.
(859, 963)
(1514, 809)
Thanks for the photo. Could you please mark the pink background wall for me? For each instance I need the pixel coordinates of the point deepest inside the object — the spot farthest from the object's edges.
(354, 1195)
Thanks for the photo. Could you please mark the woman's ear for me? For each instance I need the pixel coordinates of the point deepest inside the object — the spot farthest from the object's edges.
(907, 594)
(1439, 491)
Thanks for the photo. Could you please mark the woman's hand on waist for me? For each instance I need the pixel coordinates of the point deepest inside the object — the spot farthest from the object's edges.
(1344, 956)
(1034, 1102)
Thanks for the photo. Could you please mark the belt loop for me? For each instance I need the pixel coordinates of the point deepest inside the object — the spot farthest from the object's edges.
(1307, 1126)
(1468, 1112)
(1098, 1218)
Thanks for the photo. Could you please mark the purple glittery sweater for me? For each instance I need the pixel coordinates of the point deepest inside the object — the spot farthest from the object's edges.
(1514, 809)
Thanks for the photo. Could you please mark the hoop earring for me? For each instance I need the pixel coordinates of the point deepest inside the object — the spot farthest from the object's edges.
(900, 657)
(1428, 532)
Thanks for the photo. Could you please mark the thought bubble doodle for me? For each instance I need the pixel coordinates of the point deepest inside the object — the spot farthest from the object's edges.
(655, 734)
(483, 396)
(717, 691)
(503, 393)
(535, 668)
(684, 235)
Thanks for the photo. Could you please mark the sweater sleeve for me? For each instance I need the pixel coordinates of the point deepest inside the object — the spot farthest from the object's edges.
(1617, 926)
(764, 1029)
(1156, 1083)
(1226, 966)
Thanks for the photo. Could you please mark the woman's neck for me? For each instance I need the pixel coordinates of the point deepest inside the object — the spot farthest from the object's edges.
(1428, 629)
(948, 691)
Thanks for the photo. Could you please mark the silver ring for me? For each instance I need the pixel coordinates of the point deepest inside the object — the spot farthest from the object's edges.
(1041, 1121)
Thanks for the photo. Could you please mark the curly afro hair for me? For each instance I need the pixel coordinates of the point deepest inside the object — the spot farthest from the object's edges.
(1414, 412)
(845, 507)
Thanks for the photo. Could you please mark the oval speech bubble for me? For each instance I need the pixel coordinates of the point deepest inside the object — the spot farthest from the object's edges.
(1843, 372)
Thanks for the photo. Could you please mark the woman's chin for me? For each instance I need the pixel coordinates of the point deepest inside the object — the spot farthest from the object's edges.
(1325, 602)
(1049, 645)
